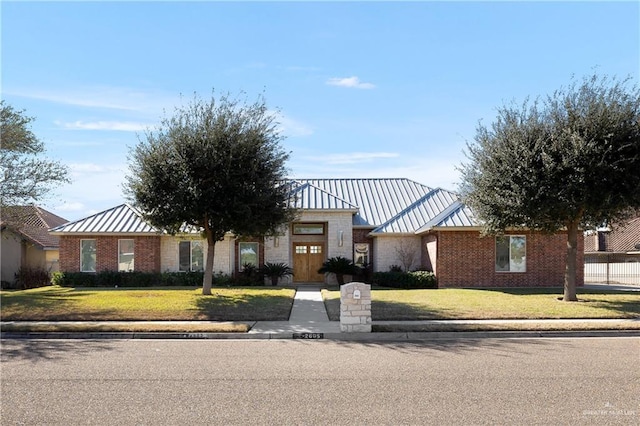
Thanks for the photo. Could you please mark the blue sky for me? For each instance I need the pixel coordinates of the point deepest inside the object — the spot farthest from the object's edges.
(364, 89)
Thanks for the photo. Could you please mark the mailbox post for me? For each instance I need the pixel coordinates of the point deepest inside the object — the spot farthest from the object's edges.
(355, 307)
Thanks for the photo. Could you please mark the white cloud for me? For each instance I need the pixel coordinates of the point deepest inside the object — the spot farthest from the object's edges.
(355, 157)
(351, 82)
(124, 126)
(118, 98)
(69, 207)
(293, 128)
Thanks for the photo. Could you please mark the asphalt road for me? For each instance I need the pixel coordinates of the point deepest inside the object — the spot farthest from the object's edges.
(184, 382)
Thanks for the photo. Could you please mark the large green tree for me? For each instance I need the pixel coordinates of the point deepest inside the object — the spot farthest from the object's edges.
(25, 176)
(215, 165)
(568, 161)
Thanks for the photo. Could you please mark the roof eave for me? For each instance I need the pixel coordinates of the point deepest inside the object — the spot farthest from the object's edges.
(448, 228)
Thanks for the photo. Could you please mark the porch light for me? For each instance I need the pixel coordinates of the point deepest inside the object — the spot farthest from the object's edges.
(340, 238)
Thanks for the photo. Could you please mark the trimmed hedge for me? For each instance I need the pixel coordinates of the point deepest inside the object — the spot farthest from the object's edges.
(405, 280)
(136, 279)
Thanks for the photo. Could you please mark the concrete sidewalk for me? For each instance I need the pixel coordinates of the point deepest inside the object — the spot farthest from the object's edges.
(308, 315)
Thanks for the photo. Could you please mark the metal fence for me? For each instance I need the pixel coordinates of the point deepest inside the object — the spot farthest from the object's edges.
(612, 273)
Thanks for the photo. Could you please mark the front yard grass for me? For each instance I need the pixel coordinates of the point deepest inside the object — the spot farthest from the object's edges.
(149, 304)
(526, 303)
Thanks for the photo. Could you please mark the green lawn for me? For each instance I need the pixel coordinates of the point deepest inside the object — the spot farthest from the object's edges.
(391, 304)
(68, 304)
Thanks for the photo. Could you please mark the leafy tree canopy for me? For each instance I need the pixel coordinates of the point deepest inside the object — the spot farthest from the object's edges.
(570, 160)
(216, 165)
(25, 177)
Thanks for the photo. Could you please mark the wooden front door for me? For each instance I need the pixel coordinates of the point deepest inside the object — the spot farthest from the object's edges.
(307, 259)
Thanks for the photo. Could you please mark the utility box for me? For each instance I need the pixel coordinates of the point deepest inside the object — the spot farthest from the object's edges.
(355, 308)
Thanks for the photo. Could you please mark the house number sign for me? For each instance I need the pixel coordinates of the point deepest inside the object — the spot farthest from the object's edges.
(308, 335)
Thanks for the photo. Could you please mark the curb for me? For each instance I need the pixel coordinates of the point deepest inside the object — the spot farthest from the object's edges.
(353, 337)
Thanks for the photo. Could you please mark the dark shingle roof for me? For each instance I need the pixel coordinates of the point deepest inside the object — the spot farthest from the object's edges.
(33, 223)
(624, 237)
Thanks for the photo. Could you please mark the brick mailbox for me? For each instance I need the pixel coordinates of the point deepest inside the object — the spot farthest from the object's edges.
(355, 307)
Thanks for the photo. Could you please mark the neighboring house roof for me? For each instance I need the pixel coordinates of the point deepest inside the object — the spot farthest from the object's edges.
(120, 219)
(623, 238)
(32, 223)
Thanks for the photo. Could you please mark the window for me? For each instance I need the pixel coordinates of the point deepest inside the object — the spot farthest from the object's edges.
(308, 228)
(361, 254)
(191, 256)
(511, 253)
(87, 255)
(248, 254)
(125, 255)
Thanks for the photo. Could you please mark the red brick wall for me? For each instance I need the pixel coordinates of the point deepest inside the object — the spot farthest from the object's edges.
(465, 259)
(146, 253)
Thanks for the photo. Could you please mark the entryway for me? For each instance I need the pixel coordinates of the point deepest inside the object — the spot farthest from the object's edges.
(307, 259)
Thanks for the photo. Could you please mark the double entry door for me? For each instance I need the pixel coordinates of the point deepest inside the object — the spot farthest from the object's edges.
(307, 259)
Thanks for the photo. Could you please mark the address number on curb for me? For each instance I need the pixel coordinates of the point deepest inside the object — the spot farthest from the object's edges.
(308, 335)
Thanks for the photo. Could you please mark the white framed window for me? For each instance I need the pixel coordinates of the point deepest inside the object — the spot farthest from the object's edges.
(87, 255)
(190, 256)
(247, 254)
(511, 253)
(125, 255)
(361, 254)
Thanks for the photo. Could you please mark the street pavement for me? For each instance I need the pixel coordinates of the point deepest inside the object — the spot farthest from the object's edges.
(586, 381)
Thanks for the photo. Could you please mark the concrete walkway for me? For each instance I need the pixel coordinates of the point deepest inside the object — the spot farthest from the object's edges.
(308, 315)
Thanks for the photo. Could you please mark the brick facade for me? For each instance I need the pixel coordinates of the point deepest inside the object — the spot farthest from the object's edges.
(466, 259)
(146, 253)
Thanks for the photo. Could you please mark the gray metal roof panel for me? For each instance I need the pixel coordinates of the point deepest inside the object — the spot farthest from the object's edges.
(309, 197)
(120, 219)
(456, 216)
(378, 200)
(422, 211)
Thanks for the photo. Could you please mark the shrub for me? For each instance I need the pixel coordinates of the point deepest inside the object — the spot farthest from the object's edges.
(152, 279)
(340, 266)
(250, 276)
(395, 268)
(27, 277)
(405, 280)
(276, 271)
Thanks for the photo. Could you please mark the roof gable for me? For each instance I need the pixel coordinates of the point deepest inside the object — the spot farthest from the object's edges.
(120, 219)
(310, 197)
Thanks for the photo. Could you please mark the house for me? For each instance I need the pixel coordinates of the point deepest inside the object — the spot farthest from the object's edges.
(376, 222)
(612, 255)
(25, 240)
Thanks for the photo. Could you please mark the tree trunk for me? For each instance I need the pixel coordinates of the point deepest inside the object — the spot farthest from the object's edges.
(208, 269)
(570, 269)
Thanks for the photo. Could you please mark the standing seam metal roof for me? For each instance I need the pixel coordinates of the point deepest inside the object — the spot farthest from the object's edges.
(378, 200)
(120, 219)
(388, 205)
